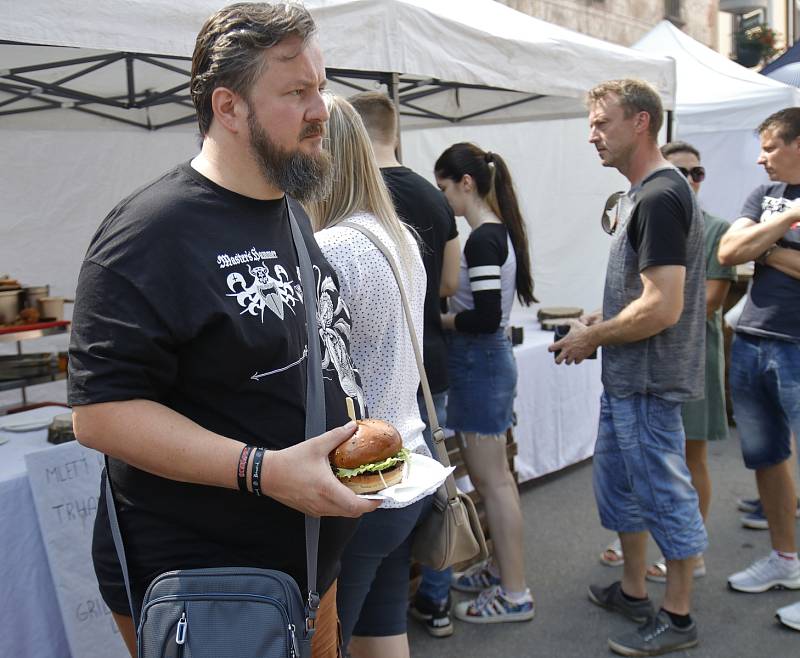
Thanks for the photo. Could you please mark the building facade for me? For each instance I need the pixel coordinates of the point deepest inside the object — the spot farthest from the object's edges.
(625, 21)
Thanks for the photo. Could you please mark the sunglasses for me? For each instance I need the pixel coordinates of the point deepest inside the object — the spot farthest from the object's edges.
(698, 174)
(610, 225)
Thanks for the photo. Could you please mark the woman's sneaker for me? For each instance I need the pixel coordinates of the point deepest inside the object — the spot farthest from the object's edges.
(493, 606)
(767, 573)
(475, 579)
(436, 618)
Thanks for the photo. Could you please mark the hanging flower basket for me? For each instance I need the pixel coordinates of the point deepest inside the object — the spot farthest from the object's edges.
(756, 44)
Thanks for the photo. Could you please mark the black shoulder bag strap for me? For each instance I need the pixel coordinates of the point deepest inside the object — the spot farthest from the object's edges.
(315, 425)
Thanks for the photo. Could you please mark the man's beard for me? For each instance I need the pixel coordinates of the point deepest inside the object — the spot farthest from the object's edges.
(301, 176)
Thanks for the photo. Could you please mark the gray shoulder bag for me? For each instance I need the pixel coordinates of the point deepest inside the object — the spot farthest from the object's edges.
(451, 533)
(237, 612)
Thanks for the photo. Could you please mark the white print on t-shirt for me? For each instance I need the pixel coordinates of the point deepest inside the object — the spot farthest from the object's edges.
(771, 205)
(224, 260)
(266, 291)
(334, 327)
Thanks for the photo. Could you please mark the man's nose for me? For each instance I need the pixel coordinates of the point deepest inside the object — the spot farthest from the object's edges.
(318, 111)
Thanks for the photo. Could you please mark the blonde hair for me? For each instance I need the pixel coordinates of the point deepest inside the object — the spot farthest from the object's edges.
(357, 185)
(634, 96)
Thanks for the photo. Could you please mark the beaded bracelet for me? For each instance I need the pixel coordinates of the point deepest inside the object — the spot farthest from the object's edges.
(256, 475)
(241, 471)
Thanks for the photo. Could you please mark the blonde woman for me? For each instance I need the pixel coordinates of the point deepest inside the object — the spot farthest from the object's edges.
(373, 584)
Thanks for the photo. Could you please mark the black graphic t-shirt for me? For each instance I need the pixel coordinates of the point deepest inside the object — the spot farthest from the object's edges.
(190, 296)
(773, 306)
(423, 206)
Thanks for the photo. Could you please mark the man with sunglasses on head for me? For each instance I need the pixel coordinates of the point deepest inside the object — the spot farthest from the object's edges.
(765, 355)
(652, 332)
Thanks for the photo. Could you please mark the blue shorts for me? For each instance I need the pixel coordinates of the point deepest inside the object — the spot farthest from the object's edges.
(641, 481)
(483, 382)
(765, 388)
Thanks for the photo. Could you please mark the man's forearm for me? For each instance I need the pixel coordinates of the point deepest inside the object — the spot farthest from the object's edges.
(638, 320)
(747, 241)
(158, 440)
(786, 261)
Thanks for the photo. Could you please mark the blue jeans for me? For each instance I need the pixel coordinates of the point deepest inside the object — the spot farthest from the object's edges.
(765, 387)
(435, 585)
(641, 481)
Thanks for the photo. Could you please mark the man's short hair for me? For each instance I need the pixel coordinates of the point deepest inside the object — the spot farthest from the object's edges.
(378, 114)
(229, 48)
(679, 147)
(634, 96)
(786, 123)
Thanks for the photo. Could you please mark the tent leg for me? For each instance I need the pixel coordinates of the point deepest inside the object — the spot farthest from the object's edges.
(393, 85)
(670, 117)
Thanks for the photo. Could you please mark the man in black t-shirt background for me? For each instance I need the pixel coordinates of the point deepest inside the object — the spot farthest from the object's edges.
(189, 341)
(422, 206)
(765, 354)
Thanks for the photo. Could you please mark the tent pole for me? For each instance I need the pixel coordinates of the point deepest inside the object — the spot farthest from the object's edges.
(393, 84)
(670, 117)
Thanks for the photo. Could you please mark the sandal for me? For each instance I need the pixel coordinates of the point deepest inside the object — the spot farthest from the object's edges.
(612, 556)
(657, 572)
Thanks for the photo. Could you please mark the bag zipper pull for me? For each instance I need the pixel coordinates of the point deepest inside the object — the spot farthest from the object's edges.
(180, 633)
(295, 648)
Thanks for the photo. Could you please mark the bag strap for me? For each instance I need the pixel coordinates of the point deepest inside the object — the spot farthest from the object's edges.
(436, 431)
(315, 425)
(315, 406)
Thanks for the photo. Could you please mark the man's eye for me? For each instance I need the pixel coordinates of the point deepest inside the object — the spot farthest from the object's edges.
(297, 92)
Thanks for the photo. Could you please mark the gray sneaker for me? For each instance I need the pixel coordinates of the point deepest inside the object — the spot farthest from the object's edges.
(611, 598)
(656, 636)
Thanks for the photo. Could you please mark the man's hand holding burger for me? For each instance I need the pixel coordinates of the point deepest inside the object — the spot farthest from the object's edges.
(300, 477)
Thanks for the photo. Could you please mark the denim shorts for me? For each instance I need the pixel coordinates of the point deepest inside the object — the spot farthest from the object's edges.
(765, 388)
(641, 481)
(483, 382)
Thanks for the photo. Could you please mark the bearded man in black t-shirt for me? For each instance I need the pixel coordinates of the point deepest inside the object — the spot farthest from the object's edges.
(189, 340)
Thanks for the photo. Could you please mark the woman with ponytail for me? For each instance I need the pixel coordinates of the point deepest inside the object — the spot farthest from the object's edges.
(494, 267)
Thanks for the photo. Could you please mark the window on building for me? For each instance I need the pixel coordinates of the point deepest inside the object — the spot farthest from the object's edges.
(672, 12)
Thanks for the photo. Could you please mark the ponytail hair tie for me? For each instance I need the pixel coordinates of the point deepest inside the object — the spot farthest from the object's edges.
(489, 157)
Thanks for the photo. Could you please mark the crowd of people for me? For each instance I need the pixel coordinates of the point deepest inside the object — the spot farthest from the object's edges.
(193, 283)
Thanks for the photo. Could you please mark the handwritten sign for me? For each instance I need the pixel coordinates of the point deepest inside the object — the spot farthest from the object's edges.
(65, 481)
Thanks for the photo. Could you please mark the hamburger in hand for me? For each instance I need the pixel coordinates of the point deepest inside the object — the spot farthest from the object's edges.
(372, 459)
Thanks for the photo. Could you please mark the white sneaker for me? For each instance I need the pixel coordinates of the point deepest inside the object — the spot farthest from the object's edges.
(767, 573)
(789, 615)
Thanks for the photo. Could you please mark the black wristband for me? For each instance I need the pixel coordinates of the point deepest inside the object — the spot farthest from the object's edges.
(255, 479)
(241, 471)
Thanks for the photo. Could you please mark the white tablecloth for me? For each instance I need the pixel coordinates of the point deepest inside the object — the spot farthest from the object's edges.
(557, 406)
(30, 619)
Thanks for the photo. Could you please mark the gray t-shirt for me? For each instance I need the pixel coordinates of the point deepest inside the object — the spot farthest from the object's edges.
(663, 225)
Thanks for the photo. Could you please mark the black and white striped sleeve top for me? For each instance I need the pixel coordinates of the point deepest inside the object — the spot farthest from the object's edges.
(486, 287)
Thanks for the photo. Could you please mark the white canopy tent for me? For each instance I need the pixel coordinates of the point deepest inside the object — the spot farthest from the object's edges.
(718, 106)
(455, 59)
(451, 62)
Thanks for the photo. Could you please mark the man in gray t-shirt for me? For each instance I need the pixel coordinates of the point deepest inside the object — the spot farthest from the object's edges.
(652, 330)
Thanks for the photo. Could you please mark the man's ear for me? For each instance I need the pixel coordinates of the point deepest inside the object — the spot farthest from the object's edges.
(642, 122)
(230, 109)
